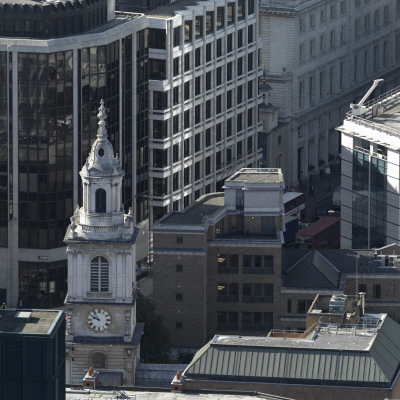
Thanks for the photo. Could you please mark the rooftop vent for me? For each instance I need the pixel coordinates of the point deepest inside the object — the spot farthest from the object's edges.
(338, 304)
(24, 315)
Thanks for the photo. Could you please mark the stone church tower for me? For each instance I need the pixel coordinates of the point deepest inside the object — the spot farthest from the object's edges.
(100, 305)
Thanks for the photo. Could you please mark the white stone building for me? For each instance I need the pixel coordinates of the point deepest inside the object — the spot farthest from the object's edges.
(100, 305)
(203, 91)
(370, 185)
(319, 56)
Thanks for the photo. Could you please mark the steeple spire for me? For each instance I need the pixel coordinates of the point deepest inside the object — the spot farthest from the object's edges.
(102, 115)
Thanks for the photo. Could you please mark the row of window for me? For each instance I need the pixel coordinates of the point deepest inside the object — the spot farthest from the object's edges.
(213, 21)
(195, 87)
(367, 25)
(251, 321)
(251, 292)
(322, 16)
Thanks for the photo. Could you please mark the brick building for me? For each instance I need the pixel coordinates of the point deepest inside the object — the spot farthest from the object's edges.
(217, 264)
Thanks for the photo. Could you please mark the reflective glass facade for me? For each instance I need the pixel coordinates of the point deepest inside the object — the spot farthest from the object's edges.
(45, 100)
(369, 199)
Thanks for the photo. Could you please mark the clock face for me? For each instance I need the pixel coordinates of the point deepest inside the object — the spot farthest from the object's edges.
(99, 320)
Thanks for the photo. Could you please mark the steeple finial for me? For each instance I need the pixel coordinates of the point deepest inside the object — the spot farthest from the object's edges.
(102, 131)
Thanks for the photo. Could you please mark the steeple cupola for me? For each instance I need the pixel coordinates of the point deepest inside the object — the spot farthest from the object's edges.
(102, 215)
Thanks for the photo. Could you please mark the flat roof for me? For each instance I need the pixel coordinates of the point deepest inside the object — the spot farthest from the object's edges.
(194, 214)
(169, 10)
(384, 124)
(257, 175)
(28, 321)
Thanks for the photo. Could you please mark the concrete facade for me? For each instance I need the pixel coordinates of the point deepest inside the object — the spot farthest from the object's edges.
(318, 56)
(370, 174)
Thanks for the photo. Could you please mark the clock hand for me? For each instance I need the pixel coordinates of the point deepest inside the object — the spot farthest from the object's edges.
(96, 317)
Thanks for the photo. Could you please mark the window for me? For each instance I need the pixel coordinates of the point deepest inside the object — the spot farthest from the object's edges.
(177, 36)
(240, 66)
(178, 326)
(209, 22)
(311, 89)
(160, 158)
(160, 130)
(376, 291)
(219, 47)
(198, 27)
(176, 123)
(220, 17)
(240, 38)
(239, 96)
(250, 34)
(208, 80)
(312, 47)
(186, 176)
(301, 94)
(186, 147)
(229, 43)
(258, 264)
(197, 170)
(333, 11)
(343, 7)
(176, 66)
(257, 321)
(179, 239)
(208, 137)
(197, 57)
(197, 142)
(229, 71)
(179, 297)
(343, 34)
(322, 43)
(333, 38)
(186, 91)
(362, 289)
(188, 30)
(376, 19)
(312, 21)
(175, 95)
(322, 16)
(186, 62)
(385, 53)
(197, 116)
(250, 64)
(99, 274)
(322, 84)
(157, 38)
(160, 186)
(219, 76)
(101, 201)
(257, 292)
(197, 85)
(357, 27)
(186, 120)
(227, 320)
(366, 23)
(208, 165)
(302, 25)
(386, 14)
(289, 306)
(341, 75)
(376, 58)
(303, 306)
(209, 52)
(227, 292)
(179, 268)
(230, 13)
(301, 52)
(208, 109)
(227, 263)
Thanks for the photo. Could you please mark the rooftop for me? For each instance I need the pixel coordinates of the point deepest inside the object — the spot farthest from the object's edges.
(382, 118)
(193, 215)
(169, 10)
(366, 354)
(28, 321)
(257, 175)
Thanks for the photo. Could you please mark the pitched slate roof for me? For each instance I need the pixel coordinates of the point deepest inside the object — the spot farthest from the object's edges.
(365, 358)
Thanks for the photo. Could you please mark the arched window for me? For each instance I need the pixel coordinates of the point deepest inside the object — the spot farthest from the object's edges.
(100, 201)
(99, 275)
(98, 360)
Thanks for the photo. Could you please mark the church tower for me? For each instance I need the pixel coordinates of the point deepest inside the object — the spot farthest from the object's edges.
(100, 305)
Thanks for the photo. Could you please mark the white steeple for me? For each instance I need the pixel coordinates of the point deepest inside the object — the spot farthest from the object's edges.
(101, 216)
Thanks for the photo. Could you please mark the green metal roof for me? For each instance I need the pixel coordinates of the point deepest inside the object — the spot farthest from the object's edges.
(370, 361)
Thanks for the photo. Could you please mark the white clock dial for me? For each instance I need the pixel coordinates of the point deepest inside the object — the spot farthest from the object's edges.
(99, 320)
